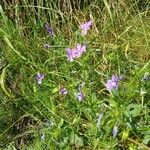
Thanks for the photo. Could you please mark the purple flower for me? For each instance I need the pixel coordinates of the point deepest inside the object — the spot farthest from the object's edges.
(46, 46)
(80, 96)
(70, 54)
(49, 29)
(79, 50)
(76, 52)
(85, 27)
(115, 131)
(63, 91)
(39, 78)
(113, 83)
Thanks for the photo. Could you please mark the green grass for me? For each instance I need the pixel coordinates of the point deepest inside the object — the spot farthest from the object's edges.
(37, 117)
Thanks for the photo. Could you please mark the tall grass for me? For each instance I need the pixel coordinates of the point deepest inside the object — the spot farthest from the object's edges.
(38, 117)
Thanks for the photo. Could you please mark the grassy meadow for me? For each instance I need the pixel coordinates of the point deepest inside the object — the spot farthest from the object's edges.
(64, 90)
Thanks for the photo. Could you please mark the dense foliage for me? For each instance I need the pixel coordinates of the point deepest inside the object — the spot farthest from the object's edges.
(75, 74)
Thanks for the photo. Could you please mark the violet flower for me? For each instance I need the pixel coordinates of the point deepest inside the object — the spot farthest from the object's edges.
(70, 54)
(39, 78)
(115, 131)
(112, 83)
(46, 46)
(85, 27)
(80, 96)
(76, 52)
(63, 91)
(49, 29)
(79, 50)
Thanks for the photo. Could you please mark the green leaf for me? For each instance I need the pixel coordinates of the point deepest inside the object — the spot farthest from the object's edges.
(2, 83)
(134, 109)
(55, 90)
(10, 45)
(76, 140)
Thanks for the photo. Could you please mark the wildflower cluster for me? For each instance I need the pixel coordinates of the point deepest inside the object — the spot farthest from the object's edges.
(113, 83)
(79, 94)
(76, 52)
(79, 49)
(85, 27)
